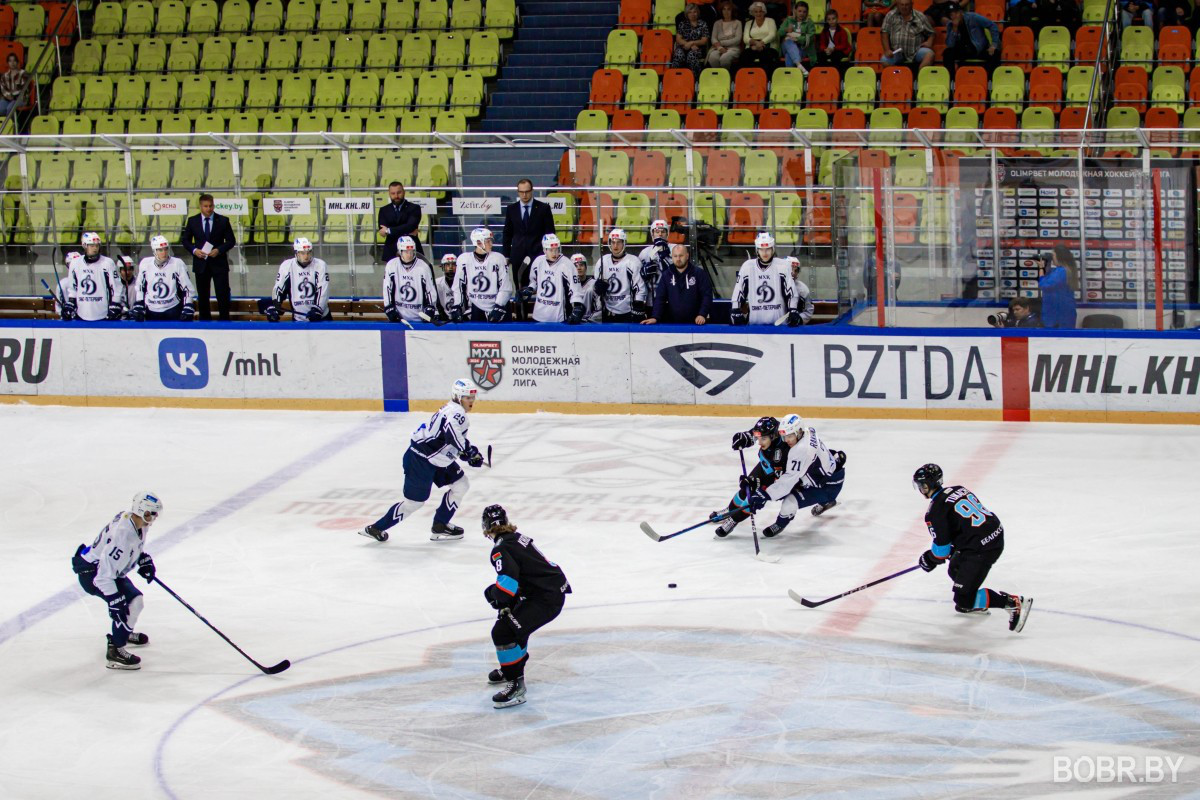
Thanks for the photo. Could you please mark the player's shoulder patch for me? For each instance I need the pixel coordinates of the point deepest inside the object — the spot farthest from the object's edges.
(495, 555)
(524, 540)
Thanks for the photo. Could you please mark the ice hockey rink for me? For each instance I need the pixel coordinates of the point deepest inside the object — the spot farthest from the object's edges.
(720, 688)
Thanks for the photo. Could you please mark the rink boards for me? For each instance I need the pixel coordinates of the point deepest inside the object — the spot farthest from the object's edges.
(909, 373)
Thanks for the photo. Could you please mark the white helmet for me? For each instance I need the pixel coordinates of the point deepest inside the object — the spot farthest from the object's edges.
(406, 245)
(481, 235)
(618, 233)
(90, 238)
(791, 425)
(71, 256)
(764, 240)
(793, 262)
(146, 505)
(462, 389)
(660, 223)
(449, 260)
(124, 261)
(302, 245)
(159, 242)
(550, 243)
(579, 261)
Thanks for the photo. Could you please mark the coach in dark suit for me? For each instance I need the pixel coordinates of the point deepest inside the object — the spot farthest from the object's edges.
(525, 223)
(398, 218)
(212, 228)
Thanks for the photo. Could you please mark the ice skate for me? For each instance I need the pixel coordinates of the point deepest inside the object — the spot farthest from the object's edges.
(513, 694)
(775, 528)
(821, 508)
(139, 639)
(374, 533)
(725, 528)
(1018, 614)
(496, 677)
(119, 659)
(445, 530)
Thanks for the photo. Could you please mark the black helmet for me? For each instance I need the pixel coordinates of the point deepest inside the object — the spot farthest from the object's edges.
(494, 516)
(766, 426)
(927, 477)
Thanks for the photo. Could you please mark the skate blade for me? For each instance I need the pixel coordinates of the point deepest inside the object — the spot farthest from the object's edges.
(136, 644)
(436, 537)
(516, 701)
(382, 537)
(819, 510)
(115, 665)
(1026, 607)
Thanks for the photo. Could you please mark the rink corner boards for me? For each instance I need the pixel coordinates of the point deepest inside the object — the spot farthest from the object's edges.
(822, 371)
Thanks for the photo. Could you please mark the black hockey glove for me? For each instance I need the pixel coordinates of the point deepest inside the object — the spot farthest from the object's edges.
(272, 313)
(392, 314)
(315, 314)
(748, 484)
(118, 607)
(928, 561)
(742, 440)
(498, 599)
(68, 311)
(188, 313)
(139, 312)
(757, 500)
(738, 318)
(640, 309)
(839, 459)
(114, 311)
(576, 316)
(497, 315)
(600, 287)
(663, 247)
(472, 456)
(528, 293)
(794, 319)
(146, 567)
(456, 314)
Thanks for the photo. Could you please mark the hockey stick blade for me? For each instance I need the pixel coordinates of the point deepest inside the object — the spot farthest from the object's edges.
(434, 321)
(806, 603)
(761, 556)
(646, 529)
(781, 320)
(275, 670)
(489, 456)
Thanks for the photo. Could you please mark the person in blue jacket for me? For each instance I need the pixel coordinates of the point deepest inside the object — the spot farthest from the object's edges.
(685, 293)
(1058, 284)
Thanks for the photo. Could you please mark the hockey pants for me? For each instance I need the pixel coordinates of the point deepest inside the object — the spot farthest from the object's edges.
(511, 633)
(419, 479)
(969, 569)
(123, 624)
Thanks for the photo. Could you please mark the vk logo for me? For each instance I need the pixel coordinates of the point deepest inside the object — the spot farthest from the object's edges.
(183, 363)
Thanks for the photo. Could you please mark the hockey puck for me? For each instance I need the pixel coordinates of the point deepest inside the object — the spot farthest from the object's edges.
(670, 586)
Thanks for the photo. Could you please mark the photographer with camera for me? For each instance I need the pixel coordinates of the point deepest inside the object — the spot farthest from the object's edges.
(684, 293)
(1058, 283)
(656, 258)
(1020, 314)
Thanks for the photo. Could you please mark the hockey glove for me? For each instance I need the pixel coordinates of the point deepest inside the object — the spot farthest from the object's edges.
(576, 316)
(114, 311)
(315, 314)
(663, 247)
(68, 311)
(528, 293)
(600, 287)
(928, 561)
(392, 314)
(472, 456)
(742, 440)
(738, 318)
(794, 318)
(640, 309)
(839, 459)
(188, 313)
(272, 313)
(146, 567)
(748, 484)
(456, 314)
(118, 607)
(139, 312)
(757, 500)
(497, 315)
(496, 598)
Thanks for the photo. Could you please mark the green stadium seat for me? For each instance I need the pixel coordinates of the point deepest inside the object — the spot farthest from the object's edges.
(142, 123)
(612, 168)
(139, 18)
(89, 54)
(87, 173)
(97, 94)
(268, 17)
(1169, 89)
(662, 119)
(151, 55)
(202, 18)
(383, 122)
(910, 169)
(334, 16)
(163, 93)
(315, 51)
(347, 52)
(1054, 47)
(399, 16)
(398, 91)
(1137, 46)
(282, 122)
(500, 17)
(261, 93)
(665, 12)
(433, 91)
(812, 119)
(415, 53)
(45, 125)
(295, 93)
(291, 171)
(245, 123)
(433, 170)
(176, 123)
(248, 56)
(382, 49)
(641, 90)
(786, 213)
(65, 94)
(961, 118)
(281, 53)
(933, 88)
(34, 63)
(713, 90)
(710, 208)
(761, 168)
(229, 92)
(588, 121)
(787, 89)
(77, 125)
(621, 50)
(396, 167)
(172, 19)
(195, 93)
(466, 94)
(1094, 11)
(184, 55)
(450, 122)
(449, 51)
(885, 125)
(366, 16)
(433, 15)
(130, 95)
(329, 91)
(235, 17)
(362, 94)
(210, 123)
(350, 122)
(734, 121)
(1008, 88)
(364, 170)
(187, 172)
(108, 21)
(217, 54)
(859, 88)
(1079, 85)
(301, 16)
(483, 53)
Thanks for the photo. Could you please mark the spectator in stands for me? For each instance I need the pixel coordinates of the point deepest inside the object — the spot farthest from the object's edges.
(938, 13)
(684, 294)
(907, 37)
(525, 223)
(691, 41)
(798, 38)
(1066, 13)
(1022, 12)
(398, 218)
(1137, 12)
(14, 85)
(971, 37)
(873, 12)
(1058, 284)
(833, 45)
(726, 38)
(757, 37)
(208, 236)
(1178, 12)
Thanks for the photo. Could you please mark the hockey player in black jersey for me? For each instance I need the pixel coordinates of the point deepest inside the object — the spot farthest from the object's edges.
(972, 538)
(529, 592)
(772, 460)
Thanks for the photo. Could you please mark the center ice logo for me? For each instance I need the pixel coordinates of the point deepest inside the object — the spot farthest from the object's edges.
(486, 363)
(696, 371)
(183, 363)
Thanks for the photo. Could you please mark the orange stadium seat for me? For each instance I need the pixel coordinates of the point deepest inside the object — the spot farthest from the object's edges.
(1194, 86)
(818, 220)
(925, 118)
(824, 89)
(896, 88)
(702, 119)
(1131, 88)
(775, 119)
(793, 173)
(628, 120)
(8, 19)
(634, 14)
(656, 50)
(678, 90)
(1046, 88)
(869, 48)
(992, 9)
(1174, 47)
(849, 13)
(945, 168)
(750, 89)
(583, 169)
(608, 88)
(745, 217)
(971, 87)
(670, 206)
(1162, 118)
(904, 213)
(587, 216)
(1087, 44)
(723, 168)
(869, 161)
(649, 168)
(1018, 48)
(849, 119)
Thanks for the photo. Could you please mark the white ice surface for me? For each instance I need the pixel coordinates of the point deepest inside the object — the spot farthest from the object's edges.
(722, 687)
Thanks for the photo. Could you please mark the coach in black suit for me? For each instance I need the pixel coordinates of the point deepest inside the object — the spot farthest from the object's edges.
(525, 223)
(398, 218)
(210, 227)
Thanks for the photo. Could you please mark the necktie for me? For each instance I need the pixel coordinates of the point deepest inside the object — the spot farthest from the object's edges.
(207, 226)
(525, 215)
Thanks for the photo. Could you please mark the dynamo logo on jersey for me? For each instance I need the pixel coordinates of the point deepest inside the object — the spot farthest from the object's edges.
(183, 363)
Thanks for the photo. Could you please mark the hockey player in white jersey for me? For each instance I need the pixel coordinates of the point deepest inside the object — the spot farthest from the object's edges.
(92, 292)
(591, 302)
(431, 460)
(655, 258)
(804, 303)
(164, 290)
(445, 287)
(59, 292)
(304, 280)
(102, 566)
(813, 477)
(127, 276)
(555, 283)
(484, 284)
(408, 289)
(763, 291)
(619, 283)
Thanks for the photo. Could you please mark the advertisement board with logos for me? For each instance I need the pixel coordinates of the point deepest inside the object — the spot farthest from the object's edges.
(164, 206)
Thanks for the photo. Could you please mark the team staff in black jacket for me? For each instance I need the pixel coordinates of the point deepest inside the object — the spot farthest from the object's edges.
(684, 294)
(529, 592)
(398, 218)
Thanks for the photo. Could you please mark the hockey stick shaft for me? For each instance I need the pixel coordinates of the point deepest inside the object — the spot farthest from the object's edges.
(753, 522)
(280, 667)
(811, 604)
(646, 529)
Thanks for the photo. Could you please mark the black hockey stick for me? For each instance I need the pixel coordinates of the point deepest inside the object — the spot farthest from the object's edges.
(810, 604)
(489, 456)
(758, 553)
(646, 529)
(275, 670)
(434, 321)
